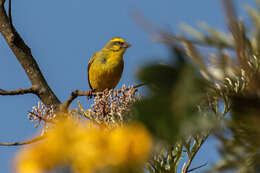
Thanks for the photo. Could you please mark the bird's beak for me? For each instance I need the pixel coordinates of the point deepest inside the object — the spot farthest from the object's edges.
(126, 45)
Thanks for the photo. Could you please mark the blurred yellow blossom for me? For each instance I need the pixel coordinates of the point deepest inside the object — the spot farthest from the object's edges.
(86, 148)
(130, 144)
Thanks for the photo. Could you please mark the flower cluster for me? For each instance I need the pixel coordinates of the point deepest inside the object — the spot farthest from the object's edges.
(112, 107)
(41, 113)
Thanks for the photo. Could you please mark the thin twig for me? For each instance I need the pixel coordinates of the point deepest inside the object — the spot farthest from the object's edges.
(197, 167)
(22, 143)
(139, 85)
(18, 91)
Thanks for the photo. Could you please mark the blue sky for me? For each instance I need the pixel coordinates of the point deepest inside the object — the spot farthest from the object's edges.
(64, 34)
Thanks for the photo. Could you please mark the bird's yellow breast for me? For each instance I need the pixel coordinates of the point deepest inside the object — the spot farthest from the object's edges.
(106, 70)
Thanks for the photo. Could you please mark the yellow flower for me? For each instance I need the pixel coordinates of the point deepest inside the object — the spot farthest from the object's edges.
(86, 148)
(28, 162)
(130, 144)
(106, 66)
(89, 150)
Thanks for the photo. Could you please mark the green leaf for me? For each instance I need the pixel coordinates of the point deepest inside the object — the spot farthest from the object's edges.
(175, 91)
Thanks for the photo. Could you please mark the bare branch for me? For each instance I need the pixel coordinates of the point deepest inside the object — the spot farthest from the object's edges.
(25, 58)
(139, 85)
(193, 169)
(22, 143)
(18, 91)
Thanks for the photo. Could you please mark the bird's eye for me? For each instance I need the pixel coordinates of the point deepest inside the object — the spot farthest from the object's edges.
(119, 43)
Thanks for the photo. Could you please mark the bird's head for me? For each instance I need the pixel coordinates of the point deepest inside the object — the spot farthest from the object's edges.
(117, 44)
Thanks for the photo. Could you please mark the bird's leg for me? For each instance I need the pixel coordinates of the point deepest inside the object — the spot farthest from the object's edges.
(90, 93)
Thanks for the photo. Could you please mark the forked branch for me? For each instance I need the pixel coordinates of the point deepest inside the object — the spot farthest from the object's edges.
(25, 58)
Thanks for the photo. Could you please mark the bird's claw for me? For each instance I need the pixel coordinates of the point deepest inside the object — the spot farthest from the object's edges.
(90, 93)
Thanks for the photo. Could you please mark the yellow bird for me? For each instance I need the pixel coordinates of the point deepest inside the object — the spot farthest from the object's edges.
(106, 66)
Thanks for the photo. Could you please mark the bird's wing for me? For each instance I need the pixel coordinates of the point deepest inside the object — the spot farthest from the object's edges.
(89, 64)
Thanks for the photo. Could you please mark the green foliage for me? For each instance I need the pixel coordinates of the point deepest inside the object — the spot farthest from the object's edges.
(176, 90)
(185, 107)
(174, 111)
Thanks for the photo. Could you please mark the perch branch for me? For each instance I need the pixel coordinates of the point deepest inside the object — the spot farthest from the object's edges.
(22, 143)
(89, 93)
(74, 95)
